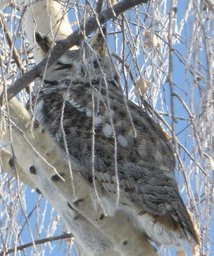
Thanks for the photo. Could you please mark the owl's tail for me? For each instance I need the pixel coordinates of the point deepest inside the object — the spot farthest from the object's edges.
(184, 220)
(173, 228)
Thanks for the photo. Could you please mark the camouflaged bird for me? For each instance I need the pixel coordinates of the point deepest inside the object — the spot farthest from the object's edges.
(125, 152)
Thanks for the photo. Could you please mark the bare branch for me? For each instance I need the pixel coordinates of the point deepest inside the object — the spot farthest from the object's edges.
(36, 242)
(74, 39)
(11, 44)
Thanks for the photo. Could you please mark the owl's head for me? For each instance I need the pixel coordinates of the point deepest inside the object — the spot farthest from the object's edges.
(88, 62)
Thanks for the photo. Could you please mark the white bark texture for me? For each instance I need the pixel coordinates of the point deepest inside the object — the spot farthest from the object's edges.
(47, 17)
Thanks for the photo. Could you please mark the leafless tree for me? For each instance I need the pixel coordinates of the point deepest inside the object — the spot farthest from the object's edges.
(163, 51)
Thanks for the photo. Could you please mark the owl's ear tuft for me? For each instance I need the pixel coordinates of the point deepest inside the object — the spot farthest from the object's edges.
(44, 42)
(98, 43)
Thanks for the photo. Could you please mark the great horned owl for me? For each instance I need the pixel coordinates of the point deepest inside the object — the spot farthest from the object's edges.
(125, 152)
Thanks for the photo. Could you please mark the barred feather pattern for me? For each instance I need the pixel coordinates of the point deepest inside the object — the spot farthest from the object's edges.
(80, 97)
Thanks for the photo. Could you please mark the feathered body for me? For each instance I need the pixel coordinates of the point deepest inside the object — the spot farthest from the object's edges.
(125, 152)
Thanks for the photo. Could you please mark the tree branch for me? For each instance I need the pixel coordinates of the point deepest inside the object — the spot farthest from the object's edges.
(74, 39)
(40, 241)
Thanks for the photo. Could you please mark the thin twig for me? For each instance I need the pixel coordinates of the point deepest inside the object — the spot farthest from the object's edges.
(170, 71)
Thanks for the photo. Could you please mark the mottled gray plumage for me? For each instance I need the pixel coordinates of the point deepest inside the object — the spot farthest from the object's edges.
(80, 98)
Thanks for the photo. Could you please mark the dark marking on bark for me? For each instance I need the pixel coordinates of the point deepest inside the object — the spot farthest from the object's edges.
(38, 191)
(56, 177)
(32, 169)
(125, 242)
(76, 217)
(11, 162)
(70, 206)
(102, 216)
(78, 201)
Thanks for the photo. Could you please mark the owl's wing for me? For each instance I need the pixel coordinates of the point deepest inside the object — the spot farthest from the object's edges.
(118, 140)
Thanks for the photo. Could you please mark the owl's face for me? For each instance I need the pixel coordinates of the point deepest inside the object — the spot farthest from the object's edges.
(78, 65)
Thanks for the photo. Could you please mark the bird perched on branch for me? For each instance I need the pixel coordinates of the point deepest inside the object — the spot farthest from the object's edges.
(129, 161)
